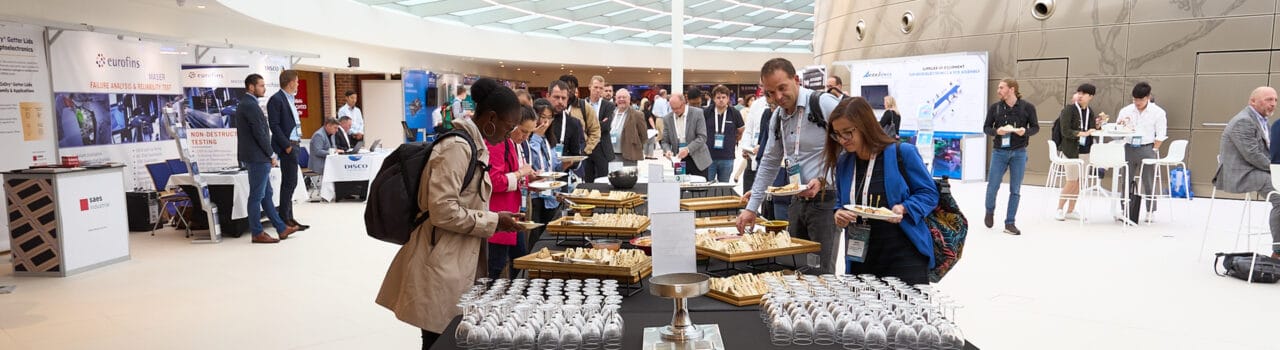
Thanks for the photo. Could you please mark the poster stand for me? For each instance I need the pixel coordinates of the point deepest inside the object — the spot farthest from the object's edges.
(178, 129)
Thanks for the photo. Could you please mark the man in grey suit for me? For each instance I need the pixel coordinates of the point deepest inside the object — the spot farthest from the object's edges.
(321, 142)
(686, 136)
(1244, 158)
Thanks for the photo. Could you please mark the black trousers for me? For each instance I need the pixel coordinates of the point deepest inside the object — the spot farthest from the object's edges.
(748, 176)
(288, 182)
(595, 167)
(539, 213)
(429, 338)
(691, 167)
(891, 253)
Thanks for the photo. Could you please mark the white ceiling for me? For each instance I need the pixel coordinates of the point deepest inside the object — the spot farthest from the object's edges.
(744, 25)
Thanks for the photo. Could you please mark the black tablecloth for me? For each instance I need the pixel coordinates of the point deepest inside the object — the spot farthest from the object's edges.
(740, 327)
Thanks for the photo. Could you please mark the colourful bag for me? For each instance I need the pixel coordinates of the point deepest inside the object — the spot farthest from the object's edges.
(947, 225)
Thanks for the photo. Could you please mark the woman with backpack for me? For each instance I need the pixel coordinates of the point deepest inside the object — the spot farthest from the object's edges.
(873, 169)
(446, 253)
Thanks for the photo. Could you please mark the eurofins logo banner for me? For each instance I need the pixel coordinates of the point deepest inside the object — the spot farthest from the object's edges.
(86, 62)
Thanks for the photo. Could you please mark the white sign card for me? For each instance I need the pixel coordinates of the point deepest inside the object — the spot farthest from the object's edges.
(664, 197)
(673, 242)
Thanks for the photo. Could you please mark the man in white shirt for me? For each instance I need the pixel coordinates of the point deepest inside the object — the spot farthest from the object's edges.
(357, 118)
(660, 105)
(1149, 124)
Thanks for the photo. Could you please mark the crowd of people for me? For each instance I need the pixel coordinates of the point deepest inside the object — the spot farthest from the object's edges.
(830, 143)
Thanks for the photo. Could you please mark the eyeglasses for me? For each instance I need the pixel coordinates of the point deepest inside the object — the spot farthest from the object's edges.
(841, 136)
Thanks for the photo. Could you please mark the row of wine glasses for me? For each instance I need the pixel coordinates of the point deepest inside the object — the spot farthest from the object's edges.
(540, 314)
(859, 312)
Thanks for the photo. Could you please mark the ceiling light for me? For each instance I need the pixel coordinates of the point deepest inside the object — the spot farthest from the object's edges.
(200, 6)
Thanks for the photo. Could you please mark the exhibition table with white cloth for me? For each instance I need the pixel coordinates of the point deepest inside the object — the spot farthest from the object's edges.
(360, 167)
(239, 194)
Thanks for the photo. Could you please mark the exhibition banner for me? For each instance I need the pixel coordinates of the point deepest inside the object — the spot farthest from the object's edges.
(948, 90)
(110, 94)
(416, 112)
(26, 118)
(213, 94)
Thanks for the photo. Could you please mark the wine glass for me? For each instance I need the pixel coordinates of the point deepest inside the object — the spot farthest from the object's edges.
(905, 338)
(853, 336)
(462, 335)
(526, 338)
(613, 333)
(802, 328)
(929, 337)
(592, 335)
(952, 338)
(548, 337)
(877, 338)
(501, 337)
(478, 338)
(570, 338)
(824, 329)
(780, 330)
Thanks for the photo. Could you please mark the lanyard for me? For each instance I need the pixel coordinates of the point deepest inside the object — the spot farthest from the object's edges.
(564, 123)
(1084, 123)
(546, 156)
(799, 128)
(866, 181)
(720, 120)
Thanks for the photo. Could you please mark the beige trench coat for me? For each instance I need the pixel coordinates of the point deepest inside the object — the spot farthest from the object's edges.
(425, 281)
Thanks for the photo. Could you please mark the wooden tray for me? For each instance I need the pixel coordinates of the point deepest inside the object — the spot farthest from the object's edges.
(720, 221)
(648, 270)
(735, 300)
(530, 262)
(712, 203)
(629, 202)
(559, 227)
(804, 246)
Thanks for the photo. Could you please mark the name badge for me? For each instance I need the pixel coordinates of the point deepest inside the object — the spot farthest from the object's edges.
(719, 143)
(1083, 140)
(614, 138)
(793, 173)
(856, 240)
(1006, 141)
(560, 149)
(1136, 140)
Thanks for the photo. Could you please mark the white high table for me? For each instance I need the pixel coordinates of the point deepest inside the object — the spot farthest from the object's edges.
(349, 167)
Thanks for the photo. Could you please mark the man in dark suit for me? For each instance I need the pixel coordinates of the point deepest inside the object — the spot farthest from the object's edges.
(254, 150)
(597, 163)
(686, 136)
(286, 135)
(565, 135)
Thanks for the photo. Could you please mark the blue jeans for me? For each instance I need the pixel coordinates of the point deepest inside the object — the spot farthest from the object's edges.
(720, 170)
(260, 198)
(1015, 161)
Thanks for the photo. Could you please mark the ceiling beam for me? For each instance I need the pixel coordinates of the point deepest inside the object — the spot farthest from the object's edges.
(445, 7)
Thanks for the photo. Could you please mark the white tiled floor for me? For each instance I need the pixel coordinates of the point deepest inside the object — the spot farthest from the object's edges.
(1058, 286)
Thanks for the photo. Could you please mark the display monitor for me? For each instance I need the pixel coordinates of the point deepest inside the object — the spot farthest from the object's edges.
(875, 95)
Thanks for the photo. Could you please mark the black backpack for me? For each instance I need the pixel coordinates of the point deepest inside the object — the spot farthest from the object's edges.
(392, 211)
(1056, 136)
(1265, 268)
(815, 115)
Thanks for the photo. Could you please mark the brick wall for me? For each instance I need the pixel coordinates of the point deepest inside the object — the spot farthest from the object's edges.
(344, 82)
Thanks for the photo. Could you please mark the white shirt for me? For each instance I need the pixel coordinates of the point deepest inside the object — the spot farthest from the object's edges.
(1150, 124)
(680, 124)
(619, 122)
(661, 106)
(357, 118)
(752, 131)
(596, 105)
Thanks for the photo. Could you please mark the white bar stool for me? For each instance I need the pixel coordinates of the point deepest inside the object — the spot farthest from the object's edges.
(1058, 168)
(1110, 156)
(1159, 185)
(1245, 228)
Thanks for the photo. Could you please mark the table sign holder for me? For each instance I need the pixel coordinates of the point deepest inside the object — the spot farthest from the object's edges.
(178, 130)
(682, 333)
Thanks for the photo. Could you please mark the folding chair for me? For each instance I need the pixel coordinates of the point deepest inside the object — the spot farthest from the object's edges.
(176, 203)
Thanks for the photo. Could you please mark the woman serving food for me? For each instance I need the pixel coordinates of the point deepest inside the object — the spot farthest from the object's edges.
(883, 194)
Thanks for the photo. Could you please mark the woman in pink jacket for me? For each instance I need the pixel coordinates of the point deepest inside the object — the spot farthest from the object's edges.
(508, 173)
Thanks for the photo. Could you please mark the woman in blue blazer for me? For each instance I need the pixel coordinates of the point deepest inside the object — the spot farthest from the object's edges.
(898, 180)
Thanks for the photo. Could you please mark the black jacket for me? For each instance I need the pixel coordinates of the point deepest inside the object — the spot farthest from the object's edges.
(1021, 115)
(604, 149)
(575, 139)
(253, 142)
(281, 118)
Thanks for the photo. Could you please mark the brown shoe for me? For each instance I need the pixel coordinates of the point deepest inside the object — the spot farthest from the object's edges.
(1275, 255)
(288, 230)
(263, 237)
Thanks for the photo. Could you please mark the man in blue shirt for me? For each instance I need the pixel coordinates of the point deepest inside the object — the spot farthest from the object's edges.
(799, 141)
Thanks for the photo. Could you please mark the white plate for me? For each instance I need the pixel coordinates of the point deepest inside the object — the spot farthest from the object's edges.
(573, 158)
(528, 225)
(791, 192)
(579, 223)
(870, 215)
(547, 185)
(552, 175)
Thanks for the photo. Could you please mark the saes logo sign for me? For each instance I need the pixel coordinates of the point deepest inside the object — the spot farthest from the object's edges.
(93, 203)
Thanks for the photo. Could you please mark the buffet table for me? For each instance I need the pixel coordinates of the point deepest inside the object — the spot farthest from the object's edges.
(741, 326)
(66, 221)
(342, 169)
(643, 188)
